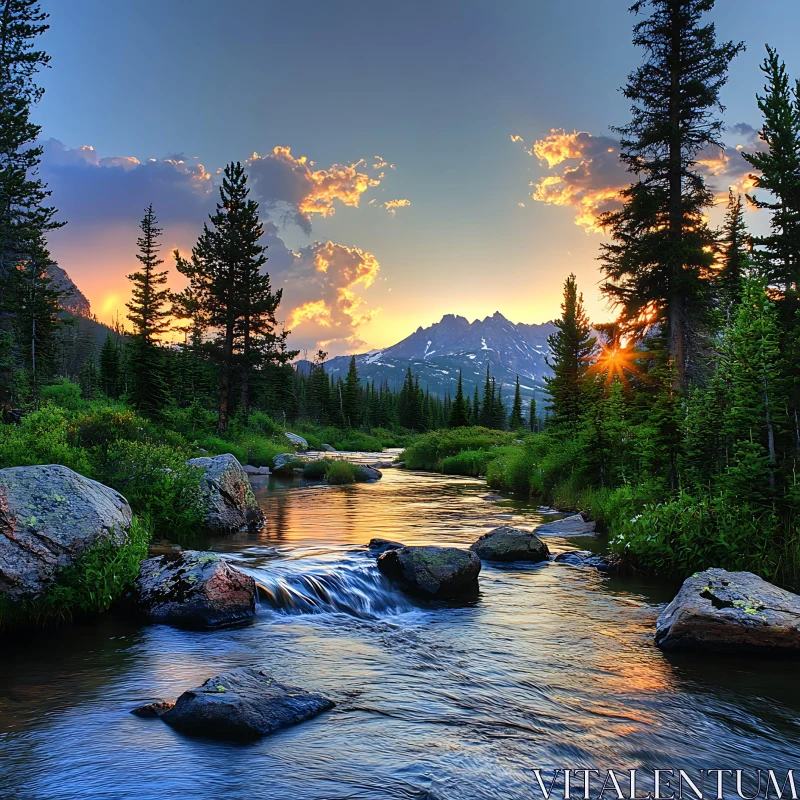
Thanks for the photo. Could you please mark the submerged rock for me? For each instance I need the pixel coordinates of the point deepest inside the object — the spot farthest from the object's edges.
(152, 710)
(730, 611)
(244, 703)
(230, 500)
(510, 544)
(194, 590)
(433, 571)
(50, 516)
(297, 441)
(369, 473)
(378, 546)
(569, 526)
(586, 558)
(251, 470)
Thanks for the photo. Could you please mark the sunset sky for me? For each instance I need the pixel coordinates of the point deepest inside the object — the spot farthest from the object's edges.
(395, 147)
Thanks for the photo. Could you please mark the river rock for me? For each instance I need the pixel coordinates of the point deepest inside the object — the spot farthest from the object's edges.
(153, 710)
(569, 526)
(195, 590)
(730, 611)
(370, 473)
(432, 571)
(50, 516)
(378, 546)
(251, 470)
(510, 544)
(281, 461)
(244, 703)
(327, 448)
(297, 441)
(231, 502)
(586, 558)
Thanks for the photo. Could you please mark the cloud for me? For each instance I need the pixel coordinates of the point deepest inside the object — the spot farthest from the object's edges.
(89, 190)
(392, 205)
(587, 175)
(283, 181)
(591, 175)
(319, 289)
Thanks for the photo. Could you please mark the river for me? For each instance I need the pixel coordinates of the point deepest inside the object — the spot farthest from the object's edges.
(551, 666)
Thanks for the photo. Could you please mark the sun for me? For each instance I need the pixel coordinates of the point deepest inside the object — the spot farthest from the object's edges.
(616, 362)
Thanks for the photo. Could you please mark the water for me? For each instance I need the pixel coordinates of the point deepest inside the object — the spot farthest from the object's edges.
(551, 666)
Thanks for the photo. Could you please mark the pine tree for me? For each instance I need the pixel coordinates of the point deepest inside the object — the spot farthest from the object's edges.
(458, 418)
(228, 292)
(487, 404)
(351, 397)
(149, 312)
(571, 349)
(109, 377)
(476, 408)
(778, 254)
(532, 415)
(659, 264)
(516, 422)
(735, 258)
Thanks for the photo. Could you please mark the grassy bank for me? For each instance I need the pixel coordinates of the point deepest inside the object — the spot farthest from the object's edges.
(657, 530)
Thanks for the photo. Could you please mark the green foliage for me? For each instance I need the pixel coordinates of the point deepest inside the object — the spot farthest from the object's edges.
(467, 462)
(316, 470)
(428, 451)
(91, 586)
(341, 472)
(63, 393)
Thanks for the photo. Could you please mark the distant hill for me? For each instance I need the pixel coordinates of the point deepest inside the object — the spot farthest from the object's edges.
(437, 354)
(73, 299)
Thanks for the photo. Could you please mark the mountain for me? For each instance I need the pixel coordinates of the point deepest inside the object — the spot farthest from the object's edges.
(73, 299)
(437, 354)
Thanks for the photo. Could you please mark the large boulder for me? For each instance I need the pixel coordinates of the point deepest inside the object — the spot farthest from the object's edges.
(244, 703)
(575, 525)
(229, 497)
(432, 571)
(730, 611)
(510, 544)
(297, 441)
(194, 590)
(50, 516)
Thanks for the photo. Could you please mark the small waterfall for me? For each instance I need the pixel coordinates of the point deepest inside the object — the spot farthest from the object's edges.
(353, 587)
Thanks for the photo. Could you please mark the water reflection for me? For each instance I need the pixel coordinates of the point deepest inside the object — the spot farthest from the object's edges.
(551, 666)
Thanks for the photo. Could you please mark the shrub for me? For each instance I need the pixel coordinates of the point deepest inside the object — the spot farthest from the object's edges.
(260, 451)
(316, 470)
(429, 450)
(341, 472)
(41, 438)
(64, 394)
(467, 462)
(91, 586)
(688, 534)
(215, 446)
(158, 483)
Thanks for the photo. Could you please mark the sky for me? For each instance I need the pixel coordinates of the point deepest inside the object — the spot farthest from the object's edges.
(411, 159)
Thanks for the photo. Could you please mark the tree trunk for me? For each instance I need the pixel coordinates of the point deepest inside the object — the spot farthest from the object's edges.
(244, 397)
(675, 301)
(225, 378)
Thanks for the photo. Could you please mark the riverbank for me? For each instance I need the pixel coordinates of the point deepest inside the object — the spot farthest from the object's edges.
(654, 529)
(433, 699)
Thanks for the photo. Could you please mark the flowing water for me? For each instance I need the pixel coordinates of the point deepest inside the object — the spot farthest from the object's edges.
(552, 666)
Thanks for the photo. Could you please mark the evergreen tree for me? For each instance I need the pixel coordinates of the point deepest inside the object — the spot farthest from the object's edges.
(228, 292)
(735, 258)
(351, 397)
(516, 422)
(779, 253)
(109, 377)
(532, 415)
(476, 408)
(487, 405)
(572, 347)
(149, 313)
(459, 417)
(660, 260)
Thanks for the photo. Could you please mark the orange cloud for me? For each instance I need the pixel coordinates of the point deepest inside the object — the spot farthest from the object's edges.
(392, 205)
(319, 287)
(283, 179)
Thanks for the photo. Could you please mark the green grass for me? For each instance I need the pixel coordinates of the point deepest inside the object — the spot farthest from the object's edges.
(429, 450)
(91, 586)
(341, 472)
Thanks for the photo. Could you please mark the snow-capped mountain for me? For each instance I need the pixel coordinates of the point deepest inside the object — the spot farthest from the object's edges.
(437, 354)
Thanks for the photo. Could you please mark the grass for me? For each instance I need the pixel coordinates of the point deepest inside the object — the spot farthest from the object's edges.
(340, 472)
(91, 586)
